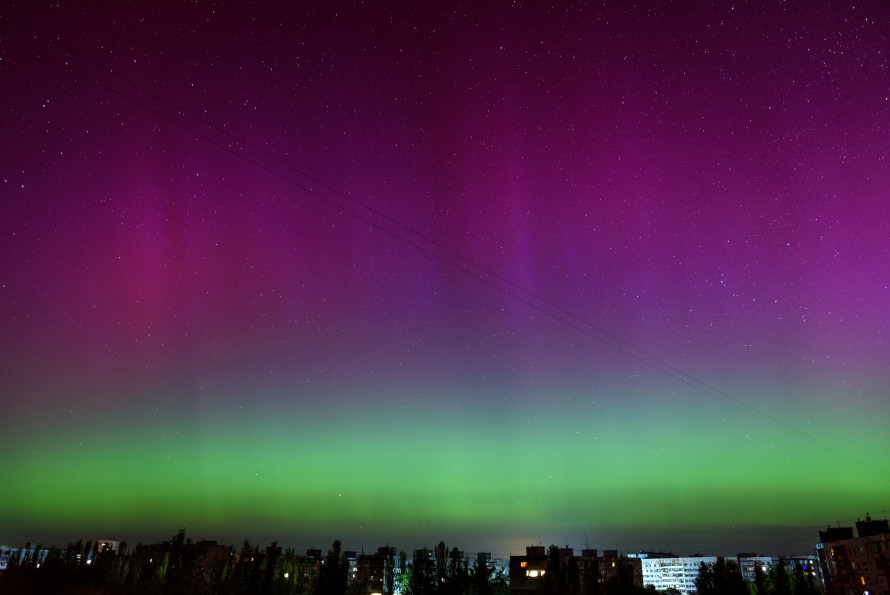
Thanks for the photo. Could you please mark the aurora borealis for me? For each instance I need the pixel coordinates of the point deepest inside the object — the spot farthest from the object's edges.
(495, 274)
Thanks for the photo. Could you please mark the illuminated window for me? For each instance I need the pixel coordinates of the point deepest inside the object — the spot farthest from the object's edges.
(523, 564)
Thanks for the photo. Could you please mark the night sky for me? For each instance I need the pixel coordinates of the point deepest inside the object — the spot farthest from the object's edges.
(494, 275)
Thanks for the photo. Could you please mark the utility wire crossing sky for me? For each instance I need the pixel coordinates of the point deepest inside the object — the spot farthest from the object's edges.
(490, 274)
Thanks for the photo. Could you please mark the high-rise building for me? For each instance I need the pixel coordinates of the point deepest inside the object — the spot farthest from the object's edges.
(375, 572)
(529, 572)
(672, 572)
(856, 564)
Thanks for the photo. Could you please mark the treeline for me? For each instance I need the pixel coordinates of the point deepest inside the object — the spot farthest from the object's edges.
(444, 572)
(724, 578)
(178, 567)
(564, 576)
(568, 576)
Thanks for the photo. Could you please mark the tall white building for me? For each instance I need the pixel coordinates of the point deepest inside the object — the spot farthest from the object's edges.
(679, 573)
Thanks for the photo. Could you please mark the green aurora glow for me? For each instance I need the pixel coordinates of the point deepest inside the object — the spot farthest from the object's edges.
(520, 217)
(272, 472)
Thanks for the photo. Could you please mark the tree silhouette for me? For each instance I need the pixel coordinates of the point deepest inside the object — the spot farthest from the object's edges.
(334, 575)
(441, 562)
(592, 578)
(481, 575)
(423, 574)
(802, 582)
(779, 579)
(403, 580)
(389, 571)
(499, 584)
(572, 577)
(456, 579)
(554, 576)
(723, 578)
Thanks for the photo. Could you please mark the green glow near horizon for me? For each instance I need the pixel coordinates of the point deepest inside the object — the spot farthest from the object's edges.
(545, 466)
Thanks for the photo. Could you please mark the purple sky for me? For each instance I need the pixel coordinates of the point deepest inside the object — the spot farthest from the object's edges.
(708, 184)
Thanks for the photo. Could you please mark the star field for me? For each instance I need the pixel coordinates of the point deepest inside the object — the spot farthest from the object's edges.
(492, 274)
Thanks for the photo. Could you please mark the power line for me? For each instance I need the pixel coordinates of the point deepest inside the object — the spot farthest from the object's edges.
(317, 188)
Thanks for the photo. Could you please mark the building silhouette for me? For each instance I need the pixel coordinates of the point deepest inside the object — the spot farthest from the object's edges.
(858, 564)
(529, 572)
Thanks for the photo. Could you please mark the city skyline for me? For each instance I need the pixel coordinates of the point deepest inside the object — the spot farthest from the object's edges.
(481, 274)
(774, 547)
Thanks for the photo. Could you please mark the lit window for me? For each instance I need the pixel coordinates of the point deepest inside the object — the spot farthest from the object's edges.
(523, 564)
